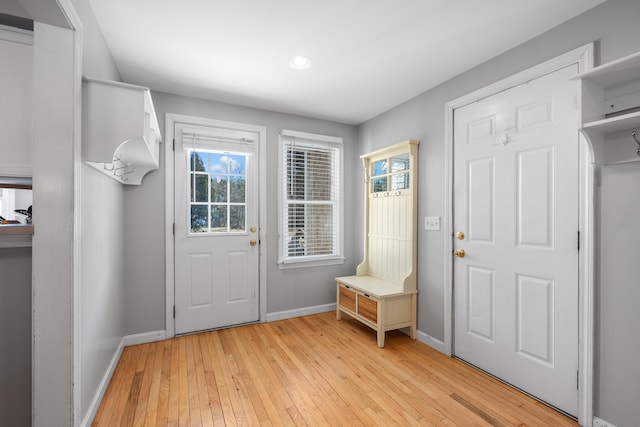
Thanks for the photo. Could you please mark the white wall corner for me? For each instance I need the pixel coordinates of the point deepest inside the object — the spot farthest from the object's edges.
(102, 387)
(126, 341)
(298, 312)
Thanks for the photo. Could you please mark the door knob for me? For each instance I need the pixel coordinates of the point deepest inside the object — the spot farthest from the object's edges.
(253, 242)
(460, 235)
(459, 253)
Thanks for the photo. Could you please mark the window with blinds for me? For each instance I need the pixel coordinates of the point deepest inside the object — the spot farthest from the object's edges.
(311, 197)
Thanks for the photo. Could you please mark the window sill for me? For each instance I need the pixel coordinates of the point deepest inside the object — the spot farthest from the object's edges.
(289, 264)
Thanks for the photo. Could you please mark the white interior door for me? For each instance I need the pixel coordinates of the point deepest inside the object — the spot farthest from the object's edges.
(516, 203)
(216, 229)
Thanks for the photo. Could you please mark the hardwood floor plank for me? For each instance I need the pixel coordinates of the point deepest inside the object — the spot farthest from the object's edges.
(210, 380)
(173, 403)
(308, 371)
(195, 405)
(160, 417)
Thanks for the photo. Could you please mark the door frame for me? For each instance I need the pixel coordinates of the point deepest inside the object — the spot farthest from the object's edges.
(170, 120)
(583, 56)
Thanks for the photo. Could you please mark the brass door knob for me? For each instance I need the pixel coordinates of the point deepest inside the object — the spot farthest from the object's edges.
(460, 235)
(459, 253)
(253, 242)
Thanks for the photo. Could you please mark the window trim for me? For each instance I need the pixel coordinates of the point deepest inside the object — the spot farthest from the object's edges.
(320, 141)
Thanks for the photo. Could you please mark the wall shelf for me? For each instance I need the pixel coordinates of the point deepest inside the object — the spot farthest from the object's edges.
(610, 97)
(120, 135)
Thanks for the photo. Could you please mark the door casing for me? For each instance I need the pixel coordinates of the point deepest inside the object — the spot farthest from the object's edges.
(170, 120)
(583, 56)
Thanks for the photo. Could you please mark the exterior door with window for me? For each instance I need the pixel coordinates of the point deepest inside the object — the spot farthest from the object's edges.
(216, 229)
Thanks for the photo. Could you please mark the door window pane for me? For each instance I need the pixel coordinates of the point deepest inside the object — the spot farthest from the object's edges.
(218, 189)
(219, 218)
(237, 189)
(199, 222)
(197, 161)
(217, 192)
(199, 187)
(237, 222)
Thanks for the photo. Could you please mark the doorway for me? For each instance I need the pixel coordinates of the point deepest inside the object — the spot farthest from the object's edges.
(539, 287)
(216, 278)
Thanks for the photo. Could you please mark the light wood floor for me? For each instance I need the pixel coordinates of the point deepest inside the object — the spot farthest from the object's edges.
(311, 371)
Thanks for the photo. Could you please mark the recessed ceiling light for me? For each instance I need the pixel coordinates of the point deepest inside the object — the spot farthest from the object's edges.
(300, 62)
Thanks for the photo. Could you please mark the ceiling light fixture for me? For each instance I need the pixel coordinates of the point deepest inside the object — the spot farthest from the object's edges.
(300, 62)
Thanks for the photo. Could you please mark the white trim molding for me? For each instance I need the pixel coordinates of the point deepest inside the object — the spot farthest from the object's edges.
(597, 422)
(583, 56)
(16, 35)
(299, 312)
(144, 338)
(170, 121)
(126, 341)
(102, 387)
(432, 342)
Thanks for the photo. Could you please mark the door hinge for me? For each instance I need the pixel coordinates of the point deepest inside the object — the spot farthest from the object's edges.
(174, 311)
(578, 239)
(174, 144)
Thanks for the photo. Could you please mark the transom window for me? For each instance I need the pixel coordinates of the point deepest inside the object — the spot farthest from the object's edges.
(311, 198)
(218, 198)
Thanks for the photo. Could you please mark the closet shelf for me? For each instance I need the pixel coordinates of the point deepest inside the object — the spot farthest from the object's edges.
(610, 106)
(615, 124)
(120, 135)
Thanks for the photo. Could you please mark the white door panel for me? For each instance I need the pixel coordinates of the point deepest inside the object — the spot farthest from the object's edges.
(216, 238)
(516, 200)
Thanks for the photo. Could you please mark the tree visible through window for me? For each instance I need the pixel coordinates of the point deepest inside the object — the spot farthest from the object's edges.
(217, 192)
(311, 200)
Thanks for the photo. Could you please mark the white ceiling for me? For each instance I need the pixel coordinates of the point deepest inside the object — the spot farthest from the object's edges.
(368, 55)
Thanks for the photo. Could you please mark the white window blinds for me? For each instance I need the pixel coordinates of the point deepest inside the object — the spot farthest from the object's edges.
(311, 197)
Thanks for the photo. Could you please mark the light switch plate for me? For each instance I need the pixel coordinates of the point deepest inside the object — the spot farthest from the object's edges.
(432, 223)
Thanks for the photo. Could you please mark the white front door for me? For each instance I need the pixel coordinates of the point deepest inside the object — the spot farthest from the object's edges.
(516, 218)
(216, 228)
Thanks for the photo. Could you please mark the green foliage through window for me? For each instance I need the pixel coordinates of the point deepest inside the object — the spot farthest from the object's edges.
(217, 192)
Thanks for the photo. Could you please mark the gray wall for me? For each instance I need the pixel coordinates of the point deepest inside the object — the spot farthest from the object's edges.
(617, 376)
(102, 284)
(286, 289)
(13, 7)
(614, 27)
(15, 263)
(15, 336)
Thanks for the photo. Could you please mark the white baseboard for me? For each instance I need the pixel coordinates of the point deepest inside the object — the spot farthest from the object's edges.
(306, 311)
(102, 387)
(144, 338)
(597, 422)
(432, 342)
(126, 341)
